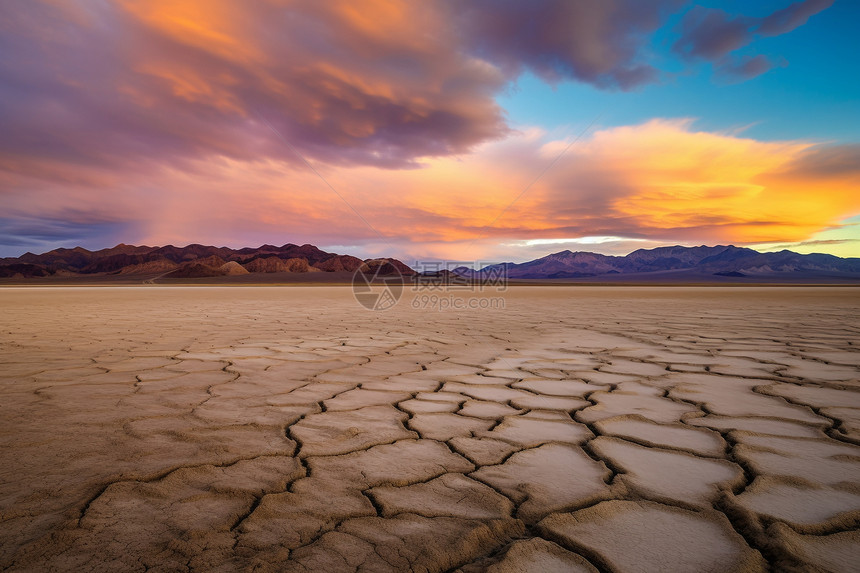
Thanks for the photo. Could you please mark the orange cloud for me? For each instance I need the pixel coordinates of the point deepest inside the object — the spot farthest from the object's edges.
(660, 181)
(219, 27)
(719, 187)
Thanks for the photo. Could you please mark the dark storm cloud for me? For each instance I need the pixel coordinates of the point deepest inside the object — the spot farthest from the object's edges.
(39, 234)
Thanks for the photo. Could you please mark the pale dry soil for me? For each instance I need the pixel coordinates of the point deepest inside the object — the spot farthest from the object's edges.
(288, 429)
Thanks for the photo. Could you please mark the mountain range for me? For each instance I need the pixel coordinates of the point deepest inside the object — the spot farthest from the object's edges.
(676, 262)
(192, 261)
(670, 264)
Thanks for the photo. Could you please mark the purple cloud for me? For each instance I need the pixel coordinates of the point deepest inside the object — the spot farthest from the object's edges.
(595, 42)
(746, 68)
(111, 84)
(126, 85)
(712, 35)
(791, 17)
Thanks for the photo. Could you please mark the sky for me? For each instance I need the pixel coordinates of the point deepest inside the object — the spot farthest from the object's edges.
(474, 131)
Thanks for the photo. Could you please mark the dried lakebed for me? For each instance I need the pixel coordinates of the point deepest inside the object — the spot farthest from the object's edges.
(288, 429)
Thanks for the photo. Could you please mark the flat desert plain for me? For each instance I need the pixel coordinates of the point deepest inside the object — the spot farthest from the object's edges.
(289, 429)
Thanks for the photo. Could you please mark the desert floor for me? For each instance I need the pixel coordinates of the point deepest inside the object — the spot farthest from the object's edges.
(289, 429)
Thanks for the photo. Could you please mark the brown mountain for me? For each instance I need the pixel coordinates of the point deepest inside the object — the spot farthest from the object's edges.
(340, 263)
(191, 261)
(276, 264)
(194, 271)
(386, 267)
(152, 267)
(233, 268)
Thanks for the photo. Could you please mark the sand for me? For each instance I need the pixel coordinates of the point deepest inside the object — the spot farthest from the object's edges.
(190, 428)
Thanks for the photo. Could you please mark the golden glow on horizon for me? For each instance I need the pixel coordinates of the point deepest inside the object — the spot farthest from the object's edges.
(721, 189)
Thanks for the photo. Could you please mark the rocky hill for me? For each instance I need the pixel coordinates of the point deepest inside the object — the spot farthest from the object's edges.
(192, 261)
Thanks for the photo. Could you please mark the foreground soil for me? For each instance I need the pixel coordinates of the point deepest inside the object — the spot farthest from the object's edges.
(289, 429)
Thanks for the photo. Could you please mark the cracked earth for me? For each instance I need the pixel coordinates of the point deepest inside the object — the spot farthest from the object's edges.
(288, 429)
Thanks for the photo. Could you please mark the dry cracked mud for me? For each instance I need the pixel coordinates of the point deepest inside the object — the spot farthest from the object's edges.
(288, 429)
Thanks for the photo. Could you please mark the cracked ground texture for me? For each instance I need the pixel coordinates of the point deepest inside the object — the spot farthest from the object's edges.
(288, 429)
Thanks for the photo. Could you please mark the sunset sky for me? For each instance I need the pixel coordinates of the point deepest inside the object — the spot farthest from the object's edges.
(482, 130)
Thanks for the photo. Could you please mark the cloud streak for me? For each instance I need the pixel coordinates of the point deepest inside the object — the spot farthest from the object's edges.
(710, 34)
(595, 42)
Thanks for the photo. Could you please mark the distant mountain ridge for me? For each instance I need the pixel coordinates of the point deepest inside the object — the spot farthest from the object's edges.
(720, 260)
(670, 264)
(191, 261)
